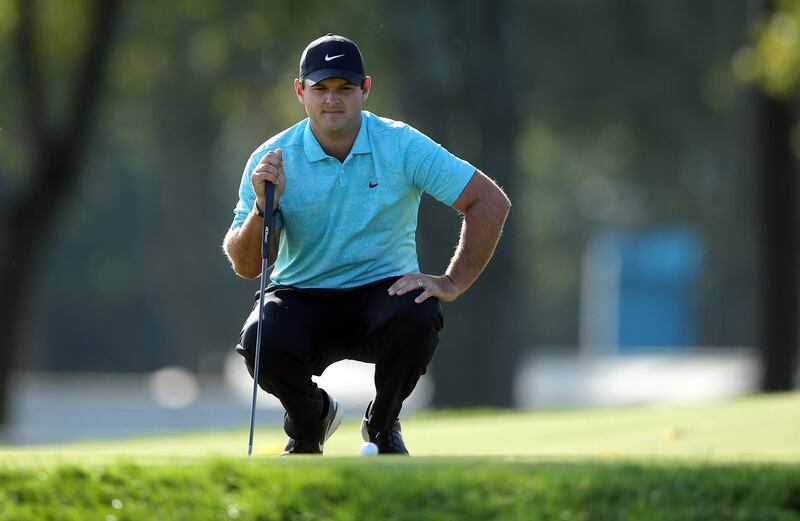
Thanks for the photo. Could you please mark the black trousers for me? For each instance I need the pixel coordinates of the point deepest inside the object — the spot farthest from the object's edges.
(306, 330)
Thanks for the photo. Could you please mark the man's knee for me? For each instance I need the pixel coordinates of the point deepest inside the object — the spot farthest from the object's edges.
(247, 342)
(272, 362)
(415, 328)
(424, 319)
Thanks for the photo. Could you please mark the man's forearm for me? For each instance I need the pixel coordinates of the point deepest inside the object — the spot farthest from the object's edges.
(480, 232)
(243, 246)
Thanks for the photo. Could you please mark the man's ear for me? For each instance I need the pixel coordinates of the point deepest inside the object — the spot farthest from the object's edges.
(299, 90)
(365, 87)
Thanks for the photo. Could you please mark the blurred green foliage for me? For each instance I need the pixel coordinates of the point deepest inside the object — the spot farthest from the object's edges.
(631, 124)
(772, 59)
(629, 120)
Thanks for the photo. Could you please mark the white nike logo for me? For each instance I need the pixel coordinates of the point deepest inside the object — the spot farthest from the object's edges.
(329, 58)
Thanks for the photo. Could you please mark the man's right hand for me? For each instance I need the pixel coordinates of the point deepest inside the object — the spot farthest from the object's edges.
(269, 170)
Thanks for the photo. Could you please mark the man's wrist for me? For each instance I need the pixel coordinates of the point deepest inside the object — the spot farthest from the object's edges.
(453, 282)
(257, 209)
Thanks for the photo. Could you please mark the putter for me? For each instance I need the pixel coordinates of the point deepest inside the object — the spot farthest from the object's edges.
(265, 235)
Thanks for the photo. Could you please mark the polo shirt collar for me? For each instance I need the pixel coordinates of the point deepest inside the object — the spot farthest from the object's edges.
(314, 150)
(312, 147)
(361, 144)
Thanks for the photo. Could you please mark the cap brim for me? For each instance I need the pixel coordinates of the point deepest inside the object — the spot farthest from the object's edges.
(323, 74)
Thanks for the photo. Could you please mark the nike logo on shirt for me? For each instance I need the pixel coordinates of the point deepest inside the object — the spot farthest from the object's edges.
(329, 58)
(373, 185)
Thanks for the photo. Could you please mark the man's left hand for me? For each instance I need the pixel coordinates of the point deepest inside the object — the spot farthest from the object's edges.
(441, 287)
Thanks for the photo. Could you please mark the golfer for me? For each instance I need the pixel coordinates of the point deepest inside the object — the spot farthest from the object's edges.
(345, 281)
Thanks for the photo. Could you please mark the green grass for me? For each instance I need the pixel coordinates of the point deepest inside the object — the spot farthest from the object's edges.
(719, 461)
(403, 490)
(760, 428)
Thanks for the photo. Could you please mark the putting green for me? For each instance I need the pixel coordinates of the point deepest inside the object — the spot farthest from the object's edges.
(763, 428)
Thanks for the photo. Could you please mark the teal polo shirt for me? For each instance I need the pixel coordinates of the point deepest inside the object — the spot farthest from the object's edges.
(348, 224)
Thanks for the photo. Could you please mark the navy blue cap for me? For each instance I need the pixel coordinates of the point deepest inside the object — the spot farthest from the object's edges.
(332, 56)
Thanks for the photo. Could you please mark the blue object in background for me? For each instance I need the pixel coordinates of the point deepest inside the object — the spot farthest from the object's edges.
(658, 294)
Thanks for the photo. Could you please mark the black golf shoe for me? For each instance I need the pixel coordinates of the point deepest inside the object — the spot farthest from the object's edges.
(330, 423)
(301, 447)
(388, 442)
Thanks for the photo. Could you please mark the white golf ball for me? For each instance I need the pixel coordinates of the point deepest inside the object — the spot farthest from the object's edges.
(369, 449)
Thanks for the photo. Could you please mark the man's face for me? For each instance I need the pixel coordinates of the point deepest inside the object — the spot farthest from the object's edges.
(333, 105)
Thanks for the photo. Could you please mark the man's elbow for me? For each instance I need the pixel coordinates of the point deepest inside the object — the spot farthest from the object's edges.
(245, 273)
(496, 198)
(506, 203)
(501, 203)
(243, 270)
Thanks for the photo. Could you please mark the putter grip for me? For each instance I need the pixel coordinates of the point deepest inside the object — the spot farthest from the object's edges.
(269, 198)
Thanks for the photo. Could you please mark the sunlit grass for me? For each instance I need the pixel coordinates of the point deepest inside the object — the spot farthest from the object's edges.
(757, 429)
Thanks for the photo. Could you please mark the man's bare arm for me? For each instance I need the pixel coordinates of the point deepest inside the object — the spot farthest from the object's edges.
(485, 208)
(243, 246)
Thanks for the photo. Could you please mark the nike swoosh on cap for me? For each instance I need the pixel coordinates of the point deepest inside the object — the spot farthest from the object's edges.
(329, 58)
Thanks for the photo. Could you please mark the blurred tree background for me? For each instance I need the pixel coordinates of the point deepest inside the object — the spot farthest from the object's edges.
(595, 116)
(772, 61)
